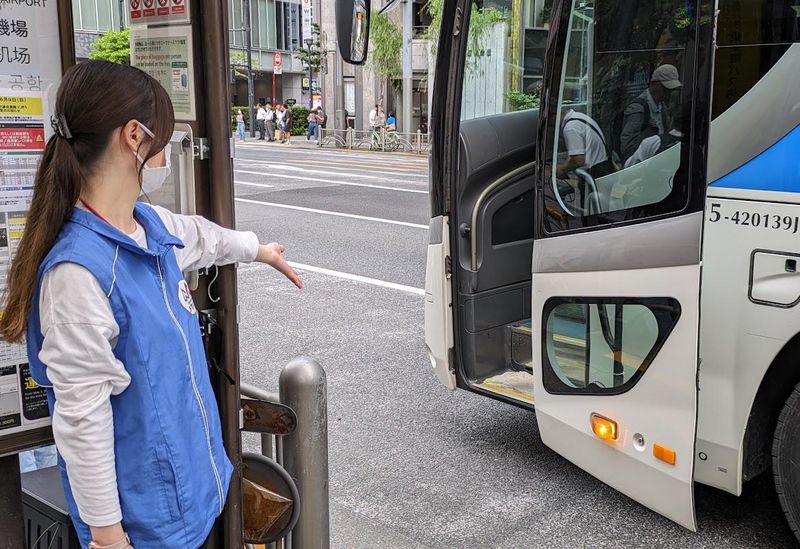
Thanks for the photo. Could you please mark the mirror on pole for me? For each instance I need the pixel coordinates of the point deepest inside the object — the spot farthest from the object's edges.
(352, 30)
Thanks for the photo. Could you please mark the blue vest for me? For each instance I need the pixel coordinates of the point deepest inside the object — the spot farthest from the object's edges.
(172, 470)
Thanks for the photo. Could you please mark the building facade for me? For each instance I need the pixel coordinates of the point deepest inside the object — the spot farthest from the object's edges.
(361, 88)
(276, 27)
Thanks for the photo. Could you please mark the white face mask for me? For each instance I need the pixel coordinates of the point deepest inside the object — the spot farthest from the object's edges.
(153, 178)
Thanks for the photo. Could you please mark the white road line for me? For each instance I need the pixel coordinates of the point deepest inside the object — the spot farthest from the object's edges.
(264, 185)
(358, 278)
(337, 214)
(334, 169)
(364, 172)
(333, 182)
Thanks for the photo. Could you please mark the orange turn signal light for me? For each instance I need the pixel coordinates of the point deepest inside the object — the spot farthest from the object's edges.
(604, 428)
(663, 453)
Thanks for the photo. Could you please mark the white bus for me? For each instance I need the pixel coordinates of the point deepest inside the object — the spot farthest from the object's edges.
(625, 258)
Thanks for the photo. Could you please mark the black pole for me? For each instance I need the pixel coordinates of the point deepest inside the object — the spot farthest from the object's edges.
(309, 43)
(248, 45)
(310, 87)
(12, 524)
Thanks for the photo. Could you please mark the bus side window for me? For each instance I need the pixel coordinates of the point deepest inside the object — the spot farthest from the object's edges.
(623, 108)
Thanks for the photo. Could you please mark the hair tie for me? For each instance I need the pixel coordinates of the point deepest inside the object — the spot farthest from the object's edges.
(59, 124)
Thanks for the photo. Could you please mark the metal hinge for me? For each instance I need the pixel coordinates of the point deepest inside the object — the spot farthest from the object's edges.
(448, 267)
(200, 148)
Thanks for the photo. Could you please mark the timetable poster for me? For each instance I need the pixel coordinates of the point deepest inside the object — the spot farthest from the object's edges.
(23, 404)
(30, 71)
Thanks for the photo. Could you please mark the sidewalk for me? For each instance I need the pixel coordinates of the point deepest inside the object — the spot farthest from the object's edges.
(296, 142)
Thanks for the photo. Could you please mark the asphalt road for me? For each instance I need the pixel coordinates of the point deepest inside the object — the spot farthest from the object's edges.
(413, 465)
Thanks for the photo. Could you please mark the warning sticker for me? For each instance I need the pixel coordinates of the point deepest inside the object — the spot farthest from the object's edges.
(158, 11)
(21, 137)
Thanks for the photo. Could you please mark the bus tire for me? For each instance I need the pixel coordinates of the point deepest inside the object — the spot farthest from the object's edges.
(786, 460)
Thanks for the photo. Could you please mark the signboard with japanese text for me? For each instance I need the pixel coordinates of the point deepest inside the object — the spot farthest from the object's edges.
(145, 12)
(277, 63)
(165, 53)
(30, 70)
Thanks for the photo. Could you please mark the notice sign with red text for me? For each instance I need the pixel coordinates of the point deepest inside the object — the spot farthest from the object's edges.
(21, 138)
(158, 11)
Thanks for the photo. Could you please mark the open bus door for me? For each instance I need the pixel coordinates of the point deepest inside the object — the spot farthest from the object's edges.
(616, 255)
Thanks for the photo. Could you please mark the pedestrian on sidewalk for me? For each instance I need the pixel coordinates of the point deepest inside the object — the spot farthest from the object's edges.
(280, 114)
(288, 121)
(311, 130)
(97, 292)
(240, 124)
(322, 122)
(261, 117)
(270, 122)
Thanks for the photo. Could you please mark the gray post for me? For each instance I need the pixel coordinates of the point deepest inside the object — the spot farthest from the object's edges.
(305, 452)
(339, 121)
(122, 5)
(408, 69)
(248, 45)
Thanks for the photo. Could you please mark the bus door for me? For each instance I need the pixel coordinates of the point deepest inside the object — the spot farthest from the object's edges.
(616, 254)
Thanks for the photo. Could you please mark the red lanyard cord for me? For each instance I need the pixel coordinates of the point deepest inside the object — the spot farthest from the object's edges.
(97, 214)
(92, 210)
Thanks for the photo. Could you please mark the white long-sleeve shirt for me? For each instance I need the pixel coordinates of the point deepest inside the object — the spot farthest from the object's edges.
(80, 333)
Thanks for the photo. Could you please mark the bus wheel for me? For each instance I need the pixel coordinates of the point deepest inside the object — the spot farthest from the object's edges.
(786, 460)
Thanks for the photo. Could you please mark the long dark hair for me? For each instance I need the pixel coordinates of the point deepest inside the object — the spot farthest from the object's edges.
(95, 99)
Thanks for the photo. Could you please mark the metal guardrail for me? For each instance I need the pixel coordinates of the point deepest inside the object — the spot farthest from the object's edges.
(303, 453)
(375, 140)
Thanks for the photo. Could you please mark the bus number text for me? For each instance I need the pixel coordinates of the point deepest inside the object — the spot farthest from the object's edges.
(754, 219)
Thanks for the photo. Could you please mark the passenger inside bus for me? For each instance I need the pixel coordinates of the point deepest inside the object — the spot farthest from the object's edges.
(648, 114)
(586, 146)
(657, 144)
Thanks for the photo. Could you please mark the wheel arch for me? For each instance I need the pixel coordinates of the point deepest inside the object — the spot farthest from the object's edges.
(776, 386)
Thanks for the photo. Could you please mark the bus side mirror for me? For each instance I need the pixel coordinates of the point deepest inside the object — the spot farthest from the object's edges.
(352, 30)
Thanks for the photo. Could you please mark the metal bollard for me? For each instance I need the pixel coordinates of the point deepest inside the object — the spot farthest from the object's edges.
(303, 387)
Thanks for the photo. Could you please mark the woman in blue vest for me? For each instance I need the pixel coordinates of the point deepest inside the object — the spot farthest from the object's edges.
(97, 291)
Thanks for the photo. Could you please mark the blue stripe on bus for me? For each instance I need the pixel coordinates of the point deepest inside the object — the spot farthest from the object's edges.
(775, 169)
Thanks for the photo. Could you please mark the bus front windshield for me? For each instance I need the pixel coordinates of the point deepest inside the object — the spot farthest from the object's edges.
(622, 111)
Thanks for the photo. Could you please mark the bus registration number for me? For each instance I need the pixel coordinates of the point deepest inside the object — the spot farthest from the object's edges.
(789, 223)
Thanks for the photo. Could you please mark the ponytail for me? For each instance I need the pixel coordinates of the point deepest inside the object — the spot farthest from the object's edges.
(84, 107)
(58, 185)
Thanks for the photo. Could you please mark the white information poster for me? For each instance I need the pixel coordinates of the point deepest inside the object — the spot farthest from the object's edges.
(165, 53)
(30, 70)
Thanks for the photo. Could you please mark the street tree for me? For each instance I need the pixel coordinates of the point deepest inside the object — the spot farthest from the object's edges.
(113, 46)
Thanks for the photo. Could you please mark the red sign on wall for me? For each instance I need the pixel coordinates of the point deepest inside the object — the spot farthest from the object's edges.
(159, 11)
(22, 138)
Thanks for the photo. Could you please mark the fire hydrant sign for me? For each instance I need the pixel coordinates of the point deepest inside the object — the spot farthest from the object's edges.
(30, 70)
(158, 11)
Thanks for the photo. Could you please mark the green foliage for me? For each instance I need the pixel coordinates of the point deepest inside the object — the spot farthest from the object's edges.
(521, 101)
(387, 45)
(312, 55)
(481, 21)
(239, 63)
(113, 46)
(299, 117)
(435, 9)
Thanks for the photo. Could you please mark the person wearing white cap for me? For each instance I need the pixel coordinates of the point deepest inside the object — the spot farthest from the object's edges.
(647, 115)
